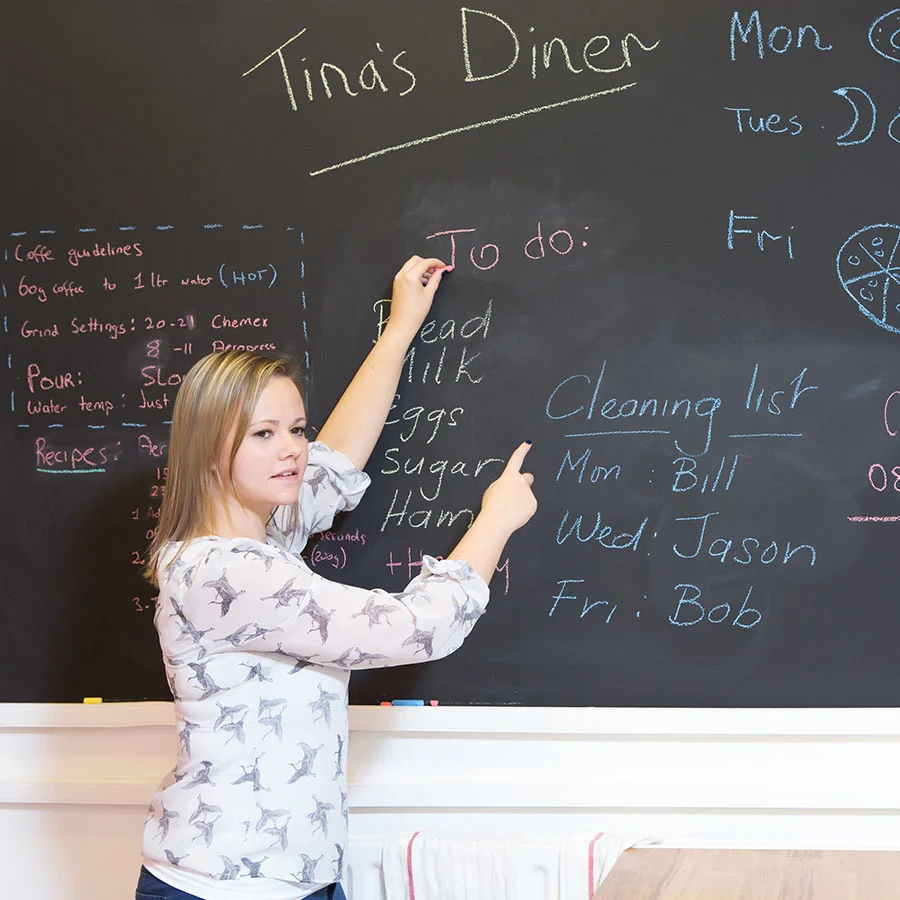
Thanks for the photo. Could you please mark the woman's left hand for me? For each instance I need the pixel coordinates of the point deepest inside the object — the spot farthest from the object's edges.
(414, 289)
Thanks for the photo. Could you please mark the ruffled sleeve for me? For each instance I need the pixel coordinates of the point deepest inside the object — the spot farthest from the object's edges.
(332, 484)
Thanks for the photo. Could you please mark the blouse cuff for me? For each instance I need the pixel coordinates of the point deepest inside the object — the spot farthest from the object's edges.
(350, 481)
(461, 572)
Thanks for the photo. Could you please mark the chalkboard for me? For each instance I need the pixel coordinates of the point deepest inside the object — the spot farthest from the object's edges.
(675, 229)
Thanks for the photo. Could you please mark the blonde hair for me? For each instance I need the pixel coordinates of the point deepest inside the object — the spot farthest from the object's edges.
(215, 403)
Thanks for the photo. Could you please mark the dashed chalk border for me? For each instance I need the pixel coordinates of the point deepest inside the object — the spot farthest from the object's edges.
(209, 226)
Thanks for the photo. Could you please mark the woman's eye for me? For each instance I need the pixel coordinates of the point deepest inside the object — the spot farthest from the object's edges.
(262, 434)
(299, 430)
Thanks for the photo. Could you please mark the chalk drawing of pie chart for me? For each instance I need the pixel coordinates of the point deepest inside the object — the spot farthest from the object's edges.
(869, 268)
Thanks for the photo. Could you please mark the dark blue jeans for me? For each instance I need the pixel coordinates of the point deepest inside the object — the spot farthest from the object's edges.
(149, 887)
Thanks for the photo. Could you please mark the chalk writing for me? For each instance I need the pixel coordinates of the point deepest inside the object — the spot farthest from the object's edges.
(323, 556)
(772, 123)
(64, 460)
(230, 277)
(441, 355)
(77, 255)
(779, 39)
(600, 532)
(893, 432)
(413, 416)
(384, 73)
(40, 253)
(688, 474)
(579, 395)
(500, 53)
(540, 243)
(581, 470)
(882, 479)
(408, 569)
(762, 238)
(97, 341)
(777, 401)
(605, 607)
(437, 469)
(484, 58)
(751, 550)
(690, 611)
(399, 514)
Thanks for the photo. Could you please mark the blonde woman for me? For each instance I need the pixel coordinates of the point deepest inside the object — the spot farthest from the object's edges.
(258, 648)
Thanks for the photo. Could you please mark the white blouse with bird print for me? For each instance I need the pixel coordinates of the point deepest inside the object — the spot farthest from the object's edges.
(257, 651)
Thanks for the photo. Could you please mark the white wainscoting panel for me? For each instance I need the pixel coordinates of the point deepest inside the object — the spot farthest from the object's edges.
(75, 782)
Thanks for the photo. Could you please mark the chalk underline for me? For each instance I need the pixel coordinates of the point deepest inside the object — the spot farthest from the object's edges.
(604, 433)
(71, 471)
(763, 435)
(585, 434)
(873, 518)
(436, 137)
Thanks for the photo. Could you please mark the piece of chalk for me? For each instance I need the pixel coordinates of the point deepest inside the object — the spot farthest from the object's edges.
(93, 700)
(432, 702)
(407, 703)
(385, 703)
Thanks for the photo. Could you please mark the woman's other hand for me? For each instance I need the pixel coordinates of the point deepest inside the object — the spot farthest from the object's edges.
(509, 501)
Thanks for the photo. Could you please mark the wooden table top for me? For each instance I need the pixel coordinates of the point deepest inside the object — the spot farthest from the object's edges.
(664, 874)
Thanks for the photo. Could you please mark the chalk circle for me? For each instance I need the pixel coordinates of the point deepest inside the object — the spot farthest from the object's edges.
(869, 270)
(884, 35)
(893, 130)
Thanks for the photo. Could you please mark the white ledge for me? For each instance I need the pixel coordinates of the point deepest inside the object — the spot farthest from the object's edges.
(15, 716)
(555, 722)
(550, 722)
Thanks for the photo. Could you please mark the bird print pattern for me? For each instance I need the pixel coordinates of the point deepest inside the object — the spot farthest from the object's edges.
(258, 651)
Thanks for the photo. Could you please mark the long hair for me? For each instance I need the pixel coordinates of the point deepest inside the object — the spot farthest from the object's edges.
(215, 404)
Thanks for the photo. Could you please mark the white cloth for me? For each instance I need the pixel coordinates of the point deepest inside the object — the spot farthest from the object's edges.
(433, 866)
(428, 866)
(585, 862)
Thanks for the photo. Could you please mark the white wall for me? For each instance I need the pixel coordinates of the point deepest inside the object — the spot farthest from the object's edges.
(75, 782)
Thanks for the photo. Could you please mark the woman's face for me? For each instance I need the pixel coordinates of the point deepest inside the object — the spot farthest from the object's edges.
(271, 459)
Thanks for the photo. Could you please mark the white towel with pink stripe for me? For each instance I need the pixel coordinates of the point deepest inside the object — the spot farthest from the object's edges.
(435, 866)
(584, 864)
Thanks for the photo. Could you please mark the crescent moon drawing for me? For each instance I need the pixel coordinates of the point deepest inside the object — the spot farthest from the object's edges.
(884, 35)
(861, 112)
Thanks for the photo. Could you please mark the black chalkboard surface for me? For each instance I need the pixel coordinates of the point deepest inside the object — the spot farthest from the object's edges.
(675, 229)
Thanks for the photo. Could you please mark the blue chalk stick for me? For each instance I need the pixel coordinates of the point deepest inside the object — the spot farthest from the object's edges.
(407, 702)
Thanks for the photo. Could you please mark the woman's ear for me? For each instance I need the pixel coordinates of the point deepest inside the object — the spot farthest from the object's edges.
(218, 481)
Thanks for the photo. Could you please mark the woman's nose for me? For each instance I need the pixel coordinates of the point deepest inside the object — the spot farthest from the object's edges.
(292, 444)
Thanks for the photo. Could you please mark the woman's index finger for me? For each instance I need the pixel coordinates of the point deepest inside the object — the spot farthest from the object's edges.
(518, 456)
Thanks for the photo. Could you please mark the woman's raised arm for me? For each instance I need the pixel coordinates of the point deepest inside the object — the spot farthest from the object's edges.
(356, 422)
